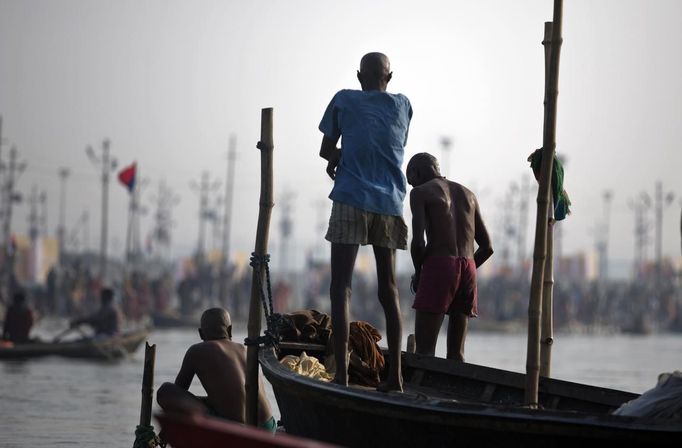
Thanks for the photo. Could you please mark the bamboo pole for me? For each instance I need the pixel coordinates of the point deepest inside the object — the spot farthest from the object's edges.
(266, 146)
(540, 250)
(547, 316)
(547, 329)
(144, 433)
(148, 384)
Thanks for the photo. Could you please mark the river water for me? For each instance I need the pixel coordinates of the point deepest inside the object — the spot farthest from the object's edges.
(54, 402)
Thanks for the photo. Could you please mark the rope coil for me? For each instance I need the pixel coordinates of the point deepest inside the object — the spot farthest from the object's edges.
(272, 319)
(145, 437)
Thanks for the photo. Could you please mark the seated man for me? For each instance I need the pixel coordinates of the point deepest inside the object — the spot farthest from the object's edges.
(107, 320)
(18, 320)
(220, 365)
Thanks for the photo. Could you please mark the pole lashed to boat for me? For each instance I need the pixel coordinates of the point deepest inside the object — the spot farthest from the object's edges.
(144, 433)
(543, 201)
(266, 146)
(148, 384)
(547, 320)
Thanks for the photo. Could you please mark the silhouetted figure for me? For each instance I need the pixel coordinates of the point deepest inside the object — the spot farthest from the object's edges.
(369, 189)
(445, 265)
(107, 320)
(18, 320)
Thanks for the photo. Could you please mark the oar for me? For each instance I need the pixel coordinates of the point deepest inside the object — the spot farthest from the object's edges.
(67, 331)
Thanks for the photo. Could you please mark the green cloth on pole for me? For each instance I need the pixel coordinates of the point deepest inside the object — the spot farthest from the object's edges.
(561, 201)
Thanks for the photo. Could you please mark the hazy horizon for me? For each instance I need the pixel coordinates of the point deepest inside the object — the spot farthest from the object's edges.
(169, 82)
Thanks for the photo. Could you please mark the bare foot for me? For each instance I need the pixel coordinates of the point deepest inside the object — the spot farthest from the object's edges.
(390, 386)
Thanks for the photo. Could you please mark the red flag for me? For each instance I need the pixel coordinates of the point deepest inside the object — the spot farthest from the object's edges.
(127, 176)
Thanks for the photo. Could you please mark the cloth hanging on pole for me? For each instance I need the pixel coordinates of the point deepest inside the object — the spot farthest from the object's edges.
(561, 200)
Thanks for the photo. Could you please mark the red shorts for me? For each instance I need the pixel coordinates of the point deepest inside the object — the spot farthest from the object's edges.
(447, 285)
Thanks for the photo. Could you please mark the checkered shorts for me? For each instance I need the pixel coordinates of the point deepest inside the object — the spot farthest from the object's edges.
(350, 225)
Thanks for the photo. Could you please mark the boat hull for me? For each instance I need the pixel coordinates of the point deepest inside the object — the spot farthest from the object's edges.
(186, 431)
(94, 348)
(166, 321)
(366, 418)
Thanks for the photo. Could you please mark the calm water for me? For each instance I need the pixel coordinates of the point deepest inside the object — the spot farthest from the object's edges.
(56, 402)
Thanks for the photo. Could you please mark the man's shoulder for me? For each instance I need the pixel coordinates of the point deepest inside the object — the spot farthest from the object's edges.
(346, 93)
(218, 344)
(400, 96)
(360, 94)
(463, 190)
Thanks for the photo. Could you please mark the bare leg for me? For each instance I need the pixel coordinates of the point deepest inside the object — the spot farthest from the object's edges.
(426, 329)
(388, 297)
(175, 399)
(457, 330)
(343, 261)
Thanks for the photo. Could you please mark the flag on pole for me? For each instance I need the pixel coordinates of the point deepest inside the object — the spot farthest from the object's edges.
(127, 176)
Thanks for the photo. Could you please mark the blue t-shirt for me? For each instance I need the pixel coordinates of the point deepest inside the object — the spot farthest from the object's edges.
(373, 127)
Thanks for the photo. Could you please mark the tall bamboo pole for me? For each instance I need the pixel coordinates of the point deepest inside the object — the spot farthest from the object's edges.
(547, 316)
(266, 146)
(540, 250)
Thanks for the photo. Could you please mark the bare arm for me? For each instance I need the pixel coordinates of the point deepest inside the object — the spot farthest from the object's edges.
(418, 245)
(186, 373)
(485, 247)
(331, 153)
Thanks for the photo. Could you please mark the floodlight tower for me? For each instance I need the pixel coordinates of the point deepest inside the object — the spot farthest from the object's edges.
(106, 164)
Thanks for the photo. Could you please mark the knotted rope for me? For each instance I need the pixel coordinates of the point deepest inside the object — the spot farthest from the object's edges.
(145, 437)
(272, 319)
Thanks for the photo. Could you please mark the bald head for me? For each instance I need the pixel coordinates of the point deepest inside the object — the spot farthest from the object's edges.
(422, 168)
(375, 71)
(216, 324)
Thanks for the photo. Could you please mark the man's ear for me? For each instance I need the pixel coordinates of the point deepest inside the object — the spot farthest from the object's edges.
(201, 334)
(389, 77)
(229, 331)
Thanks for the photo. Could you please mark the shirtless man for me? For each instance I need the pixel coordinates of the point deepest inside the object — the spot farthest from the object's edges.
(220, 365)
(445, 267)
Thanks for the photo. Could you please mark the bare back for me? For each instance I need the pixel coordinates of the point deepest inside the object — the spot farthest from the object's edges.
(220, 365)
(450, 225)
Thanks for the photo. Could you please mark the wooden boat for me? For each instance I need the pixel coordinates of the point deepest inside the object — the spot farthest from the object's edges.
(198, 430)
(170, 320)
(446, 403)
(89, 348)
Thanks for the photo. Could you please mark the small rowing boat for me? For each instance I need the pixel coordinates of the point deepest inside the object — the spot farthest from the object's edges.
(112, 347)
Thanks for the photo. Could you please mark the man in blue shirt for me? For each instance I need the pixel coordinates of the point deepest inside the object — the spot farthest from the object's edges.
(368, 193)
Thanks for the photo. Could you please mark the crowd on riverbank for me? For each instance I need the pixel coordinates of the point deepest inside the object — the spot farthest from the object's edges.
(639, 306)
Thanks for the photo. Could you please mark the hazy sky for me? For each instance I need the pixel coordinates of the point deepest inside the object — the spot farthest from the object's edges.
(169, 81)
